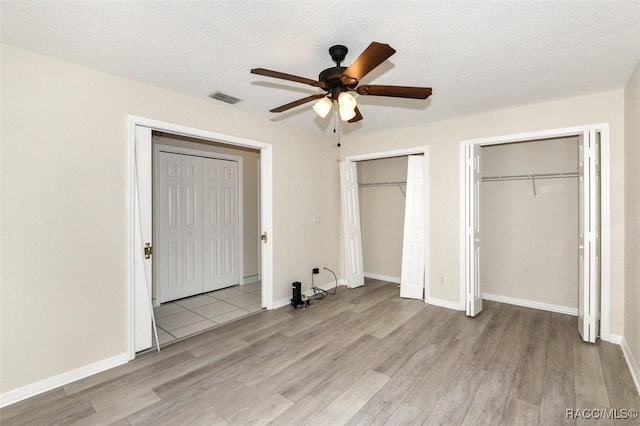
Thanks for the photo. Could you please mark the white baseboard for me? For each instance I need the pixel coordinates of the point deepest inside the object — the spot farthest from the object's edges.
(251, 279)
(33, 389)
(280, 303)
(531, 304)
(382, 277)
(614, 338)
(631, 363)
(445, 304)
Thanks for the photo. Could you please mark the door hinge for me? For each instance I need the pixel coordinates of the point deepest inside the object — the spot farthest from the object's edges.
(148, 251)
(264, 237)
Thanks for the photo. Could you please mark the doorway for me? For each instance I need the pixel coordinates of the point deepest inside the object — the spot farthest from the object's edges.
(140, 235)
(413, 238)
(591, 247)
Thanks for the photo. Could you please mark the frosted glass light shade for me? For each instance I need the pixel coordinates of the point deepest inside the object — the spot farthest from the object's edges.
(346, 100)
(346, 114)
(323, 106)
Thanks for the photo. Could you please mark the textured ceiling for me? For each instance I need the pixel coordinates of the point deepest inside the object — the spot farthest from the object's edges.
(477, 56)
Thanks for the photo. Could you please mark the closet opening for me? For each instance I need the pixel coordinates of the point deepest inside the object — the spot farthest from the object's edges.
(535, 224)
(385, 216)
(382, 187)
(529, 221)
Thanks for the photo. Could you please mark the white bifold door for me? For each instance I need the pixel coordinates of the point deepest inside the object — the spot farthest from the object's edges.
(197, 225)
(589, 235)
(473, 179)
(351, 224)
(413, 242)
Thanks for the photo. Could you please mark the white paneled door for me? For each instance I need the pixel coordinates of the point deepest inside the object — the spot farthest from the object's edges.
(351, 224)
(198, 230)
(220, 192)
(589, 235)
(413, 250)
(473, 179)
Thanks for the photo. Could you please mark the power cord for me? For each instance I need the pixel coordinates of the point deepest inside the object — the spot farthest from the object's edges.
(320, 292)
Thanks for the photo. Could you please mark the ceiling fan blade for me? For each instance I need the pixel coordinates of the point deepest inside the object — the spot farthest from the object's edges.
(395, 91)
(372, 56)
(357, 118)
(298, 102)
(284, 76)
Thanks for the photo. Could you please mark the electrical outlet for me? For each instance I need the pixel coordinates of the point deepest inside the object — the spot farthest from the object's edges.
(442, 279)
(315, 271)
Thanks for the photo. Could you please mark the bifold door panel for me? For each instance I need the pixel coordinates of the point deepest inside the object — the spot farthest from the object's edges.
(197, 213)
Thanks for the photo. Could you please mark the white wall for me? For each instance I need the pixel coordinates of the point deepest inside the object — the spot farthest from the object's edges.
(64, 213)
(250, 193)
(530, 243)
(382, 215)
(443, 139)
(632, 214)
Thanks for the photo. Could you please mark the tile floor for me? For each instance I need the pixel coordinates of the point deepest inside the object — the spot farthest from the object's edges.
(191, 315)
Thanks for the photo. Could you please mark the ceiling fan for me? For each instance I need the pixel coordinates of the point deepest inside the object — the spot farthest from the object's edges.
(338, 81)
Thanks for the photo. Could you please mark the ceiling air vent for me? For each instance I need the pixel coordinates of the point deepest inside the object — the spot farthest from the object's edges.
(224, 98)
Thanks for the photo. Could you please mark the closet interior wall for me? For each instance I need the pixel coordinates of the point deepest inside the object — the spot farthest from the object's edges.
(250, 194)
(530, 239)
(382, 205)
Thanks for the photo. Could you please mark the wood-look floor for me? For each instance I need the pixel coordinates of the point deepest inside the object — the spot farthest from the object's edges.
(361, 357)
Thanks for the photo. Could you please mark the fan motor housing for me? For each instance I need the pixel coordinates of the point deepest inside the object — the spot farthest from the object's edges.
(331, 77)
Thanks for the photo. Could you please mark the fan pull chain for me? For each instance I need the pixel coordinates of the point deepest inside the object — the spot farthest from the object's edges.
(335, 120)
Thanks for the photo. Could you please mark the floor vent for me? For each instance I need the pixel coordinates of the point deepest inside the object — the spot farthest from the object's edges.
(224, 98)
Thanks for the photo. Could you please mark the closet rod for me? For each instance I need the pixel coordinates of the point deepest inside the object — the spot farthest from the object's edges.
(532, 176)
(382, 184)
(373, 184)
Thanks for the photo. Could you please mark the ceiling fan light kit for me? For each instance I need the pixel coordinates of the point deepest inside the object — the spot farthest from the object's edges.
(338, 81)
(322, 107)
(346, 114)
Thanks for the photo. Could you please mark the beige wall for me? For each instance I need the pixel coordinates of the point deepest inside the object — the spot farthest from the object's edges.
(530, 244)
(382, 215)
(64, 214)
(63, 175)
(250, 193)
(632, 214)
(443, 139)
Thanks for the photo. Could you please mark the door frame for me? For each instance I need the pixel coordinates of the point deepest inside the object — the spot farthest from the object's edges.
(266, 209)
(172, 149)
(419, 150)
(605, 225)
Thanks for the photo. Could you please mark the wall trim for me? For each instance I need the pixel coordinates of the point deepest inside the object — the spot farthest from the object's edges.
(382, 277)
(531, 304)
(614, 338)
(251, 279)
(280, 303)
(631, 362)
(33, 389)
(445, 304)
